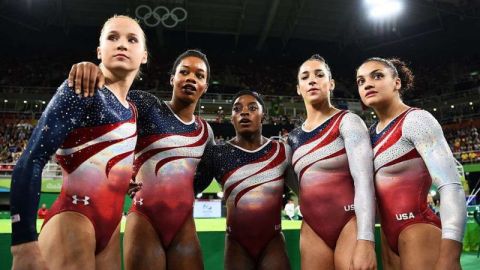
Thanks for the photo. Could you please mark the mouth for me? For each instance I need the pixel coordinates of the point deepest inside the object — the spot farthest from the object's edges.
(312, 90)
(189, 88)
(121, 55)
(370, 93)
(244, 121)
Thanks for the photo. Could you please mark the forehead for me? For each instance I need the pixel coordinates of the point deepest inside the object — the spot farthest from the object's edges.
(370, 66)
(123, 25)
(312, 65)
(193, 62)
(246, 99)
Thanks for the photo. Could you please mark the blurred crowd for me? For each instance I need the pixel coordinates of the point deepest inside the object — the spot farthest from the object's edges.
(275, 76)
(465, 143)
(267, 76)
(13, 139)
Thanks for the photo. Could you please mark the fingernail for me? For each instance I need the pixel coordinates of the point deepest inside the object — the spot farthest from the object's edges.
(77, 91)
(70, 84)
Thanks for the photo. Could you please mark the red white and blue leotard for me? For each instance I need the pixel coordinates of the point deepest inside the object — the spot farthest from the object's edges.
(94, 140)
(333, 163)
(166, 158)
(252, 183)
(409, 153)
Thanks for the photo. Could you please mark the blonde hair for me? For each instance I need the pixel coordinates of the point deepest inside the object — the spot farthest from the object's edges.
(102, 32)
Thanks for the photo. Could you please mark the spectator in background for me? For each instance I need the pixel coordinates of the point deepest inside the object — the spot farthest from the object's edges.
(290, 209)
(42, 212)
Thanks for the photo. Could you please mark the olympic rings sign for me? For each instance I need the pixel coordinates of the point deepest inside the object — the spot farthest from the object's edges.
(161, 14)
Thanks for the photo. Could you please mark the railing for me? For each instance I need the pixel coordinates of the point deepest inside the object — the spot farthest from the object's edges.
(467, 157)
(51, 170)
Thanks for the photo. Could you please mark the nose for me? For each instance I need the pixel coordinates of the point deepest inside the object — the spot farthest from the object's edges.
(122, 44)
(244, 111)
(368, 85)
(121, 47)
(191, 79)
(312, 82)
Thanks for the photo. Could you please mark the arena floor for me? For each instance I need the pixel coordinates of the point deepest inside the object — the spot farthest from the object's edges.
(211, 234)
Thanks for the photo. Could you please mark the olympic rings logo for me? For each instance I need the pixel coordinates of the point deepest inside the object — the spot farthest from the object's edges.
(161, 14)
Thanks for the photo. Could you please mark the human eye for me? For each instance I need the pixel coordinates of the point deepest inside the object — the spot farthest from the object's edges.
(112, 37)
(378, 75)
(252, 108)
(360, 81)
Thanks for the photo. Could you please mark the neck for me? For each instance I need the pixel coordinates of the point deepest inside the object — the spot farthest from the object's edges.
(318, 113)
(119, 83)
(388, 112)
(182, 109)
(249, 141)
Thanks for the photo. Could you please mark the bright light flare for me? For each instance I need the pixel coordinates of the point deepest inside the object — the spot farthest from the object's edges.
(383, 9)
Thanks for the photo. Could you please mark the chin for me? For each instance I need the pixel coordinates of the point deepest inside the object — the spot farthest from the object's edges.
(187, 98)
(373, 101)
(120, 67)
(246, 131)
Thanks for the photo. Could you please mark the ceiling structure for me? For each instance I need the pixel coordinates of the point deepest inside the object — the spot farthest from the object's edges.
(340, 22)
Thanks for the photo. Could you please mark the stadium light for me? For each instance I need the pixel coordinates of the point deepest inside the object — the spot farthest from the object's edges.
(220, 194)
(470, 103)
(433, 192)
(452, 106)
(5, 100)
(43, 101)
(25, 101)
(434, 109)
(199, 195)
(382, 9)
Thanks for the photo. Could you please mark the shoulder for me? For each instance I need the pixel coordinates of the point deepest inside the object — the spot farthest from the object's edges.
(285, 146)
(65, 96)
(420, 119)
(65, 91)
(294, 134)
(421, 125)
(351, 118)
(142, 99)
(352, 121)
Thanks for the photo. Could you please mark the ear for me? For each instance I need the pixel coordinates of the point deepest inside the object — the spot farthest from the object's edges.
(99, 54)
(145, 57)
(298, 90)
(398, 84)
(332, 84)
(171, 80)
(205, 90)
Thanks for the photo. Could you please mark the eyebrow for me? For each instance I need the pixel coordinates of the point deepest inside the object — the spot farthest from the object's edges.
(369, 73)
(306, 71)
(199, 69)
(251, 103)
(117, 33)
